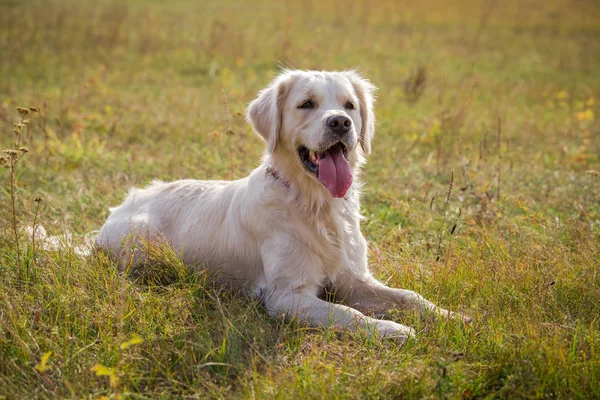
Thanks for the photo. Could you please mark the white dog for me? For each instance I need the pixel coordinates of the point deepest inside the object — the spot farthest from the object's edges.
(291, 228)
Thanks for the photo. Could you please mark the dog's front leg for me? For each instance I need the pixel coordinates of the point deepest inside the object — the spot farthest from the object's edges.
(292, 290)
(370, 296)
(311, 310)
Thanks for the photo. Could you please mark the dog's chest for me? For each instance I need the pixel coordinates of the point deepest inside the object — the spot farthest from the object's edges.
(331, 235)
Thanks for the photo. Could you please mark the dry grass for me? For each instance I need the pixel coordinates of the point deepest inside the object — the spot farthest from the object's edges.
(504, 94)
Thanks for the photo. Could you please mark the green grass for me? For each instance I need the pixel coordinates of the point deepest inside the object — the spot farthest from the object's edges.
(132, 91)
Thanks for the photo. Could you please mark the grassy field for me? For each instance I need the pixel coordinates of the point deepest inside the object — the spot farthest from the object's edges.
(504, 95)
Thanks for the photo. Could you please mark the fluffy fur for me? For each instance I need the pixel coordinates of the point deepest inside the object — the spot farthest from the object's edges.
(279, 236)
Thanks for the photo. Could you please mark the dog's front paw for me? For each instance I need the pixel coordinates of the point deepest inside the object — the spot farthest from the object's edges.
(393, 331)
(459, 317)
(440, 313)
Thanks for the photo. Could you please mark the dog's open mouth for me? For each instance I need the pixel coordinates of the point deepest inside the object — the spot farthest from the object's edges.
(331, 167)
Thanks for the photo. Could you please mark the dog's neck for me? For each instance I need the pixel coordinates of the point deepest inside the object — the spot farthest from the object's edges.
(275, 174)
(302, 189)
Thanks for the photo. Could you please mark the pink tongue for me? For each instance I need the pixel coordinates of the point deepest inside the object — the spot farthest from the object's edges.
(334, 171)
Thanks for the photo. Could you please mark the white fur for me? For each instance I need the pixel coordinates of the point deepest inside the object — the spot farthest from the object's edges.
(282, 239)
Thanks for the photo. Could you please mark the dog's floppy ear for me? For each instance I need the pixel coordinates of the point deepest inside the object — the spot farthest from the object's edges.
(365, 91)
(265, 113)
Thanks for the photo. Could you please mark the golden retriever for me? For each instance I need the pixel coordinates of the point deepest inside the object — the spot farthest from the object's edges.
(292, 227)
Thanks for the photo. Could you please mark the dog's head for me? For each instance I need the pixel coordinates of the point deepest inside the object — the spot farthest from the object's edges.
(318, 123)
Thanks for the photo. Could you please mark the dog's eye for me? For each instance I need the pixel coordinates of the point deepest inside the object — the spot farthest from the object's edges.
(307, 104)
(349, 105)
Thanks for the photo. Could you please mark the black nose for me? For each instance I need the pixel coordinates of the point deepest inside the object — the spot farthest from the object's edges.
(339, 124)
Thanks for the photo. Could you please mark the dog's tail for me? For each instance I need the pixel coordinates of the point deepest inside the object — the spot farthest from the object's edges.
(81, 247)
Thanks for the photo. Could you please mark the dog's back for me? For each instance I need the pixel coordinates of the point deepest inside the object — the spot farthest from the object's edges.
(194, 217)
